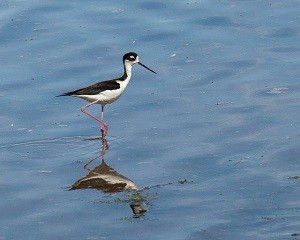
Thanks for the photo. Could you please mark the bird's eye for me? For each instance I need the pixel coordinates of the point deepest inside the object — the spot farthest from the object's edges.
(132, 57)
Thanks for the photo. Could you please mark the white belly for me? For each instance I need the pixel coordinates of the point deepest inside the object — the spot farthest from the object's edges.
(106, 97)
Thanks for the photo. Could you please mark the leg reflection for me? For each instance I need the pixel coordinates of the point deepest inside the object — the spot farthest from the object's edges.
(106, 179)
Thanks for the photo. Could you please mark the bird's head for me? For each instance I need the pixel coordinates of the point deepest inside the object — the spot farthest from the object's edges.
(132, 58)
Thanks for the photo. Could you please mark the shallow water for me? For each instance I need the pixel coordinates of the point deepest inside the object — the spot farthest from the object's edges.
(211, 141)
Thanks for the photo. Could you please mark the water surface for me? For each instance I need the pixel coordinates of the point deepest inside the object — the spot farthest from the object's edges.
(211, 142)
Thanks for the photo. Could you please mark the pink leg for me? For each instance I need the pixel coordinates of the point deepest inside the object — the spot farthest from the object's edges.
(101, 121)
(104, 127)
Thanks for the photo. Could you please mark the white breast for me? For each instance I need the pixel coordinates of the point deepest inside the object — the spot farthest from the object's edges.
(108, 96)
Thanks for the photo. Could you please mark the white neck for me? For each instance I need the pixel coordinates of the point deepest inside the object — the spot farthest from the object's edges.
(128, 67)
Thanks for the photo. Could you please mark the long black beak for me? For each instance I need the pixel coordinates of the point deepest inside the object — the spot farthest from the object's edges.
(146, 67)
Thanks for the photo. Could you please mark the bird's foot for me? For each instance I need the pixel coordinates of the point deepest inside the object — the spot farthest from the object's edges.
(104, 129)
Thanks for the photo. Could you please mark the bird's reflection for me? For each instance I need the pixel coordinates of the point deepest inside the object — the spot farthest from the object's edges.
(108, 180)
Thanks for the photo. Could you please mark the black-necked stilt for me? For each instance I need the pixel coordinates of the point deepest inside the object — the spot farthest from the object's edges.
(108, 91)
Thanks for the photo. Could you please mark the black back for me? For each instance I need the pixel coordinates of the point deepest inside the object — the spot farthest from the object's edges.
(95, 88)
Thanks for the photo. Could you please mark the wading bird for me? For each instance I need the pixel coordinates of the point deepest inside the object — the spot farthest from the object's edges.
(107, 91)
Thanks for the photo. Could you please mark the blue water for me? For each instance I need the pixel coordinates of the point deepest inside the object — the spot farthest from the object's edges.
(211, 141)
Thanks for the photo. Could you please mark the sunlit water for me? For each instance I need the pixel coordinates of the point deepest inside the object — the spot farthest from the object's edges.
(211, 141)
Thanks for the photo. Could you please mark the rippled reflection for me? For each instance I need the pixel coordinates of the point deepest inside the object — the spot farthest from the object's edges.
(103, 177)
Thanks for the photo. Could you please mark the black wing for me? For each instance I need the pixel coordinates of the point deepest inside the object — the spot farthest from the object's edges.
(95, 88)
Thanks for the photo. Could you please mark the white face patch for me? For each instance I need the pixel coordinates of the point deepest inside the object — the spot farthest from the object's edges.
(132, 60)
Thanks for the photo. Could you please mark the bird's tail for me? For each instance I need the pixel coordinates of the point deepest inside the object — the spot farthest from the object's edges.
(63, 94)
